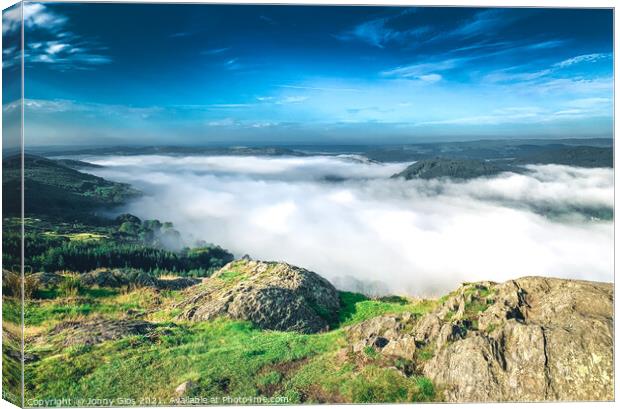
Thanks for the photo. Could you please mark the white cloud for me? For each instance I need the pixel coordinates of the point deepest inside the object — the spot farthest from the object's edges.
(54, 45)
(420, 237)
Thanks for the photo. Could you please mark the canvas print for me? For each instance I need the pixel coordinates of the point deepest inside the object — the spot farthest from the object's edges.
(284, 204)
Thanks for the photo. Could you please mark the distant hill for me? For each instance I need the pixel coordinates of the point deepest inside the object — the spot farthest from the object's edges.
(173, 150)
(52, 188)
(452, 168)
(522, 151)
(77, 164)
(583, 156)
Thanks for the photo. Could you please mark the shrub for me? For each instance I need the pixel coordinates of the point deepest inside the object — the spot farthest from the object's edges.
(70, 286)
(12, 284)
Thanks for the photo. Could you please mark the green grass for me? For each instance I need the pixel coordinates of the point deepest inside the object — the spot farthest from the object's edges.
(355, 308)
(100, 301)
(223, 357)
(231, 276)
(328, 380)
(426, 352)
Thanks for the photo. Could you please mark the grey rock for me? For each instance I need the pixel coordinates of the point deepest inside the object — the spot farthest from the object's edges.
(275, 296)
(530, 339)
(388, 334)
(540, 339)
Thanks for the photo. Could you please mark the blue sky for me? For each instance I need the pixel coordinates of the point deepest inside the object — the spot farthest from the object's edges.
(202, 74)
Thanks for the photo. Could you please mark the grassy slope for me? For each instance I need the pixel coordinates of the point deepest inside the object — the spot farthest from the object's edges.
(224, 358)
(52, 188)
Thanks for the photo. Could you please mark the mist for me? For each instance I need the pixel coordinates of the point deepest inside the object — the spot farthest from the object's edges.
(344, 218)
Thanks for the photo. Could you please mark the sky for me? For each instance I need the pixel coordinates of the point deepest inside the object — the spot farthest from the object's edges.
(100, 74)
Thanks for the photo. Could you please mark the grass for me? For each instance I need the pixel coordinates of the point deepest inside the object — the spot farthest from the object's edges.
(232, 276)
(77, 236)
(355, 308)
(91, 301)
(330, 379)
(426, 352)
(227, 355)
(222, 357)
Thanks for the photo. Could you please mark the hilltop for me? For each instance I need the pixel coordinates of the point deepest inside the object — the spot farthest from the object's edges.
(525, 339)
(452, 168)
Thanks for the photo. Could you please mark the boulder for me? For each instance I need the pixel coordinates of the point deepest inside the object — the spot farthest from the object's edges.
(275, 296)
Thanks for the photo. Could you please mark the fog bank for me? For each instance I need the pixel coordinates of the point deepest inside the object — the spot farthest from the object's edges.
(344, 216)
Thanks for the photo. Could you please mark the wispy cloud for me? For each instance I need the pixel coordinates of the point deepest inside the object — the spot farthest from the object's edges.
(573, 110)
(483, 23)
(585, 58)
(59, 106)
(314, 88)
(268, 20)
(551, 77)
(425, 71)
(282, 100)
(379, 32)
(510, 75)
(180, 34)
(293, 99)
(232, 64)
(215, 51)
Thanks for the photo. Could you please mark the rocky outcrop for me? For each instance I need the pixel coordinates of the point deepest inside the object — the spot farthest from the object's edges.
(117, 278)
(276, 296)
(390, 334)
(531, 339)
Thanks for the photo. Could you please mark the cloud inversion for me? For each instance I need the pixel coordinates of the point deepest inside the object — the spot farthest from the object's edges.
(343, 216)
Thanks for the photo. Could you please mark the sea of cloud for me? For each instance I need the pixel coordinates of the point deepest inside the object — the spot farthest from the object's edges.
(346, 219)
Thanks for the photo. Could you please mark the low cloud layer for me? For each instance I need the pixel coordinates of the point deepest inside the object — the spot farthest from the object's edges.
(344, 218)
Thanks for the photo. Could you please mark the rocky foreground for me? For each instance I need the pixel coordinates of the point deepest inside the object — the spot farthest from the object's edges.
(530, 339)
